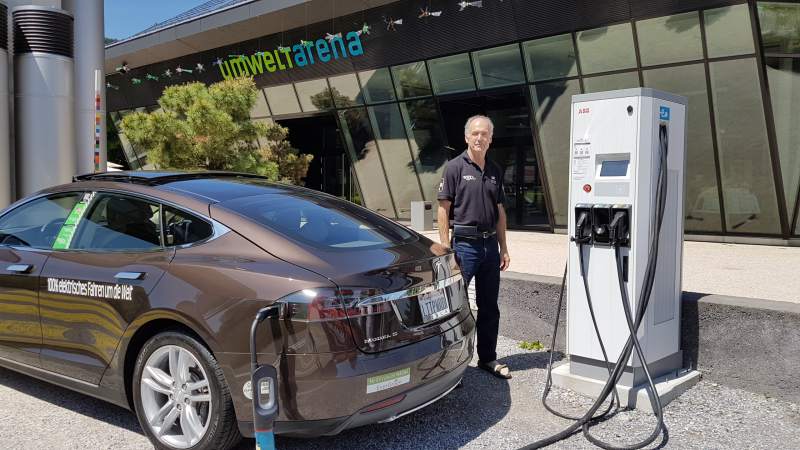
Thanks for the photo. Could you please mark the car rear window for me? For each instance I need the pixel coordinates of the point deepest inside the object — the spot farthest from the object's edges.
(321, 222)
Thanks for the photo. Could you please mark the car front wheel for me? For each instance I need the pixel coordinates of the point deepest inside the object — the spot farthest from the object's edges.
(180, 395)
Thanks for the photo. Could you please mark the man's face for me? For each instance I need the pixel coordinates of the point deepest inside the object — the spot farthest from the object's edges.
(479, 136)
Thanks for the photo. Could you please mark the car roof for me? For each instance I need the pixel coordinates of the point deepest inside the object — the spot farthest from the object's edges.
(211, 186)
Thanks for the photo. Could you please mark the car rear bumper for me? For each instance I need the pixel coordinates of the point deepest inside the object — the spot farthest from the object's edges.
(414, 400)
(336, 397)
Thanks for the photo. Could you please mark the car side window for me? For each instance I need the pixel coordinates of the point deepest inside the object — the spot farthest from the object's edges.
(181, 228)
(38, 222)
(119, 222)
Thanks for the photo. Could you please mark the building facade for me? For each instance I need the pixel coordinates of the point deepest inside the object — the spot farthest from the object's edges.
(379, 92)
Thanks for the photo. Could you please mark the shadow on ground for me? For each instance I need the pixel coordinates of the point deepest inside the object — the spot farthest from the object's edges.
(70, 400)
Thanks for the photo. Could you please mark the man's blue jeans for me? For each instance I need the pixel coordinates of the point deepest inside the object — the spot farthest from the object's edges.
(480, 258)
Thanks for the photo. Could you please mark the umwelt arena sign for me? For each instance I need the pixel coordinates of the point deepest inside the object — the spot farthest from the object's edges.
(305, 53)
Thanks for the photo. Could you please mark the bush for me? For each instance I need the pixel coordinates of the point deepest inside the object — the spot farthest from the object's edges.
(203, 127)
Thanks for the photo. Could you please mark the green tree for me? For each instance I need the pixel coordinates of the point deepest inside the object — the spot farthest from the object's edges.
(201, 127)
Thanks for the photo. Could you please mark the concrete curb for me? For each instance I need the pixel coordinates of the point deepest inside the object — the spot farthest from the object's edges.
(739, 342)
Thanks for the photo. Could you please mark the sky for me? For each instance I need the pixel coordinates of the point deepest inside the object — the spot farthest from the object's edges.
(127, 17)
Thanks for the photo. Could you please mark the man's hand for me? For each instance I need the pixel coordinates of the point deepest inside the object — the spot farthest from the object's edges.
(505, 259)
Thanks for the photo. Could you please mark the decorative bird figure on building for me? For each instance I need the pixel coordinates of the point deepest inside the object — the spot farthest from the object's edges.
(426, 12)
(330, 37)
(391, 23)
(200, 67)
(364, 29)
(151, 77)
(465, 4)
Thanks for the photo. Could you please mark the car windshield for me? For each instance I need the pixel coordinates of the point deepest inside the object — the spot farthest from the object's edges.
(322, 222)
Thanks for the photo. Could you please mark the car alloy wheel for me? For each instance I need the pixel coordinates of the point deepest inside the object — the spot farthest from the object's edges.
(181, 397)
(175, 397)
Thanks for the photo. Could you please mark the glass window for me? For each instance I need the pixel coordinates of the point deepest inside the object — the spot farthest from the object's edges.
(181, 228)
(701, 204)
(452, 74)
(606, 49)
(376, 85)
(552, 105)
(393, 144)
(411, 80)
(260, 109)
(345, 91)
(282, 99)
(500, 66)
(363, 152)
(784, 87)
(611, 82)
(670, 39)
(728, 31)
(421, 119)
(551, 57)
(748, 184)
(118, 222)
(314, 95)
(780, 27)
(322, 221)
(38, 222)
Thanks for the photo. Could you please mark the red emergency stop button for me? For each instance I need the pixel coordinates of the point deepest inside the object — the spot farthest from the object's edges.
(587, 188)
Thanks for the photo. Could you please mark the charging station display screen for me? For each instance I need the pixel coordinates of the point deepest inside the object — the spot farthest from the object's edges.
(617, 168)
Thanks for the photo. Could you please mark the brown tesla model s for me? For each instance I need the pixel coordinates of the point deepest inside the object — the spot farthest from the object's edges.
(139, 288)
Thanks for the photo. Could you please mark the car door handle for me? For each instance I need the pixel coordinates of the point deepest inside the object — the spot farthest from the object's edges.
(20, 268)
(129, 276)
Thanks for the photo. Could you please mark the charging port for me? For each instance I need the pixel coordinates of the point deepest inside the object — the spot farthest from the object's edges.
(601, 218)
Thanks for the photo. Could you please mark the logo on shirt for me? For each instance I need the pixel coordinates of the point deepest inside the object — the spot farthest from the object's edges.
(441, 185)
(493, 180)
(469, 178)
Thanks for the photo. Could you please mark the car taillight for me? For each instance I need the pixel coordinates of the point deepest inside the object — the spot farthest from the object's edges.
(316, 320)
(325, 304)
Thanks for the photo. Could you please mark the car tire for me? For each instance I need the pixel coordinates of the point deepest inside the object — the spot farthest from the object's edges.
(178, 383)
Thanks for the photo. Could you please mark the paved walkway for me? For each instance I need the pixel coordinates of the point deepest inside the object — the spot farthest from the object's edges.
(737, 270)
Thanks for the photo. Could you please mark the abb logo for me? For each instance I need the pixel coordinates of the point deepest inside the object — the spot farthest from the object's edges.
(583, 111)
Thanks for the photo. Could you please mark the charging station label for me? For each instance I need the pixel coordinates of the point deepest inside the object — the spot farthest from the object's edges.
(581, 155)
(663, 113)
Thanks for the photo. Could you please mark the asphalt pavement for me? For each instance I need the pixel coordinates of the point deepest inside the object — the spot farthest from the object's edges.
(486, 413)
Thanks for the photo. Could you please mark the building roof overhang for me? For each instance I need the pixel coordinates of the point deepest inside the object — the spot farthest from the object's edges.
(236, 23)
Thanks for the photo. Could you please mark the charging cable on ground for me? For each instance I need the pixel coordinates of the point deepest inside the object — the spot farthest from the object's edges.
(617, 236)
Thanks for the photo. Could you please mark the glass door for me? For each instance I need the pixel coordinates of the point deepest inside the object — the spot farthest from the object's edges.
(512, 149)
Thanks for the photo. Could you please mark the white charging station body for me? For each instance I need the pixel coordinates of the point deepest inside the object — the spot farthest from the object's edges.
(614, 163)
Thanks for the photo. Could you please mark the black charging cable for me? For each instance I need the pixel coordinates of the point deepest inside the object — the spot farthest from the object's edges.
(588, 419)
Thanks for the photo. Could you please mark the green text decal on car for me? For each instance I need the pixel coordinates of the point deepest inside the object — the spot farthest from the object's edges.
(64, 237)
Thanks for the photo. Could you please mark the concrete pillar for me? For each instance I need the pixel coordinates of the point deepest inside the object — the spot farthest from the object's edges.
(89, 59)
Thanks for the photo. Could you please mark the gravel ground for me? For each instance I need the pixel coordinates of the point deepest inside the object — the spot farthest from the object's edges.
(485, 413)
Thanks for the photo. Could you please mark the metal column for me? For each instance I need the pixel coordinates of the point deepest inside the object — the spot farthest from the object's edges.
(89, 59)
(43, 98)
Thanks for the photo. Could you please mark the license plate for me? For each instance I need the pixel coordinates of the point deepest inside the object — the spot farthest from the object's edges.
(434, 305)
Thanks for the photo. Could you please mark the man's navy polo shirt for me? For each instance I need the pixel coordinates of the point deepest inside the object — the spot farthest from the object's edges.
(474, 193)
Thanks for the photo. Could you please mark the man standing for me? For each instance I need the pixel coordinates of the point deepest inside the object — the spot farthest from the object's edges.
(471, 197)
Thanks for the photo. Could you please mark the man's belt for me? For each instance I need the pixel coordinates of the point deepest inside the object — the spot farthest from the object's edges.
(471, 231)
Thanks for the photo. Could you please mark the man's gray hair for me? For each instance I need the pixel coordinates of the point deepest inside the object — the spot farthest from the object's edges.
(474, 118)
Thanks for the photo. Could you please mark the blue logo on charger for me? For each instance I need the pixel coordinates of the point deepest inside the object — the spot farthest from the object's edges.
(663, 113)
